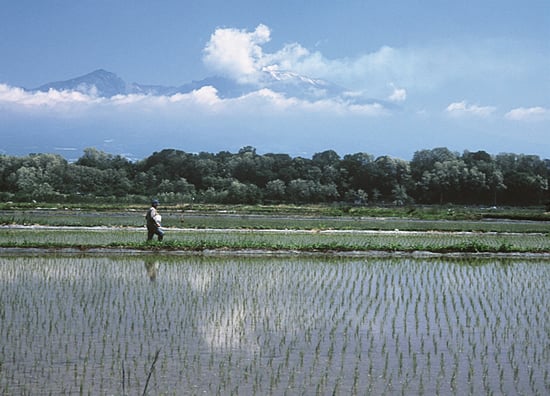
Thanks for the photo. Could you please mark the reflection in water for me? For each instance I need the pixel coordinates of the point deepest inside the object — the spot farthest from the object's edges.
(152, 268)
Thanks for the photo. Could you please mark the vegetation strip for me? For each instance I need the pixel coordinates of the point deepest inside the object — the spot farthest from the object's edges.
(84, 239)
(229, 231)
(270, 231)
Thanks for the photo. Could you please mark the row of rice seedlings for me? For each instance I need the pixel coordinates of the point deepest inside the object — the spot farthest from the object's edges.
(274, 326)
(133, 218)
(189, 239)
(65, 217)
(383, 241)
(348, 223)
(69, 237)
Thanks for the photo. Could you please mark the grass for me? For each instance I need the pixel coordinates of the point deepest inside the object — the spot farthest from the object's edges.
(421, 212)
(303, 241)
(223, 219)
(309, 229)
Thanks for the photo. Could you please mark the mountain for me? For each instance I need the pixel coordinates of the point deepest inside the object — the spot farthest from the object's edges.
(226, 87)
(103, 83)
(100, 83)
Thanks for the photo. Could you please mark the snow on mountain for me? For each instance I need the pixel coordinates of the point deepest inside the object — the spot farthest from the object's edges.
(295, 85)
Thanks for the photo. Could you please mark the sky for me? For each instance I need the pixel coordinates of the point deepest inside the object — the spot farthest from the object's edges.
(468, 75)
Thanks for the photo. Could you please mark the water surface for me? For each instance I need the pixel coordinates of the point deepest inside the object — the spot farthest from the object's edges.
(296, 325)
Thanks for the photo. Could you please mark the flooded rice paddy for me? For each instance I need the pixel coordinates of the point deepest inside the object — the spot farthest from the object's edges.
(97, 324)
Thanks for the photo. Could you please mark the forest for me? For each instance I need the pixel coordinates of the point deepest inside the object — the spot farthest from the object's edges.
(433, 176)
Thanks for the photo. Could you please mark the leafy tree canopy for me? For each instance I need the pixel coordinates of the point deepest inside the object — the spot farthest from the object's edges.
(432, 176)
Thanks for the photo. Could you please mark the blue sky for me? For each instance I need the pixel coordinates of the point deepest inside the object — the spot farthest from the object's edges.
(468, 75)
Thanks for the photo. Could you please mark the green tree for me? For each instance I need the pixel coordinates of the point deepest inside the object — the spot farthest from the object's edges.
(275, 190)
(282, 167)
(390, 175)
(299, 190)
(445, 180)
(525, 178)
(95, 158)
(243, 193)
(425, 160)
(357, 167)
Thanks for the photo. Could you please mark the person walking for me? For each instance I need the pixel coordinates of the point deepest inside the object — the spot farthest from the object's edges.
(154, 219)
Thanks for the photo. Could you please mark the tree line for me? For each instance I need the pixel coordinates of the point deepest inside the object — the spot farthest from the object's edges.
(433, 176)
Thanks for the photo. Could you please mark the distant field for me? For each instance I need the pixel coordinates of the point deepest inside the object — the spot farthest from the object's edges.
(274, 229)
(289, 217)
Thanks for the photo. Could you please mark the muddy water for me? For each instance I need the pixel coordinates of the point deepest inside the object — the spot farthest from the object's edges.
(296, 325)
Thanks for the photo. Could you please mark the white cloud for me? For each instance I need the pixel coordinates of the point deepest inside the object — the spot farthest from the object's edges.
(50, 99)
(459, 109)
(398, 94)
(237, 53)
(206, 97)
(287, 58)
(202, 102)
(267, 102)
(528, 114)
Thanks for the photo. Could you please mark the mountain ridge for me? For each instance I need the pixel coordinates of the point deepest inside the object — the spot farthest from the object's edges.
(100, 82)
(103, 83)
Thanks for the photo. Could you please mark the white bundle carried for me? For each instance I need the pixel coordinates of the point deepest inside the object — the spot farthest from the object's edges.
(158, 219)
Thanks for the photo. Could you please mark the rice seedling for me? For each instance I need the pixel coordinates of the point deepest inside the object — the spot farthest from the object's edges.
(296, 325)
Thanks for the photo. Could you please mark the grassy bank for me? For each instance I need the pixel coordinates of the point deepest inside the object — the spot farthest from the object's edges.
(276, 240)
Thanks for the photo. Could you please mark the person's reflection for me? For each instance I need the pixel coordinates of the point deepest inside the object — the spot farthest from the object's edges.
(152, 267)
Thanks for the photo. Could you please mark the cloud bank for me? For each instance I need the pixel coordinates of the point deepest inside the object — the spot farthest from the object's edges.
(204, 101)
(528, 114)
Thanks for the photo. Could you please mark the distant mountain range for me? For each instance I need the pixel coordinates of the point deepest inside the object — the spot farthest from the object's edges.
(103, 83)
(106, 84)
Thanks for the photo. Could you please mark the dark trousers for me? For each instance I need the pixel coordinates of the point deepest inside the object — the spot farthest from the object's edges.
(152, 230)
